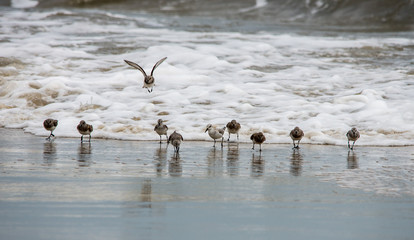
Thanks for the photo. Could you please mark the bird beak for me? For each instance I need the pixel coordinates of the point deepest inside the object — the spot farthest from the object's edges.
(206, 130)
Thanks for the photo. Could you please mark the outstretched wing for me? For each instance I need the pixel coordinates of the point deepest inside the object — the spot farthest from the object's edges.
(157, 64)
(136, 66)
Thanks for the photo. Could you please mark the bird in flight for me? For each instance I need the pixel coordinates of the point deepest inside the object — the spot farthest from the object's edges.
(148, 80)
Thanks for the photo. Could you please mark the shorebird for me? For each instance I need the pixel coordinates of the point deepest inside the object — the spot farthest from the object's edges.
(50, 125)
(85, 129)
(175, 139)
(215, 133)
(258, 138)
(233, 127)
(296, 134)
(148, 80)
(352, 135)
(161, 129)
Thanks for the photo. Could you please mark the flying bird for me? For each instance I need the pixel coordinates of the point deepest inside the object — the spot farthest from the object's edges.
(148, 80)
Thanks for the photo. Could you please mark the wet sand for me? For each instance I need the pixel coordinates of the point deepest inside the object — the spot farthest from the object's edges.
(111, 189)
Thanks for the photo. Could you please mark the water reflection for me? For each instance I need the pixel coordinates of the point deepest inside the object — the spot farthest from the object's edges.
(257, 165)
(146, 192)
(174, 166)
(352, 160)
(49, 153)
(160, 158)
(233, 159)
(296, 162)
(84, 154)
(215, 162)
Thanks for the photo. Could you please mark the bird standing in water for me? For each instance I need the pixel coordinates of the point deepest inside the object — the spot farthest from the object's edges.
(215, 133)
(85, 129)
(352, 135)
(233, 127)
(296, 134)
(148, 80)
(258, 138)
(161, 129)
(50, 125)
(175, 139)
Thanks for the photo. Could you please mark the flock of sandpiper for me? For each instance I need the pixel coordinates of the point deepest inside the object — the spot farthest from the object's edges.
(233, 127)
(175, 138)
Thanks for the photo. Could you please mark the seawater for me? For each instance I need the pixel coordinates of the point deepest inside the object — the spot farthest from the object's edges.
(67, 62)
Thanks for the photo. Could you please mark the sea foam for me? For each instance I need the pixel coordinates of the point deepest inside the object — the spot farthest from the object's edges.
(69, 66)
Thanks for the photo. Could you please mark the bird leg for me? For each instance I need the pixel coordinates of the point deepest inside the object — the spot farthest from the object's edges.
(229, 137)
(82, 138)
(222, 139)
(89, 138)
(253, 146)
(160, 139)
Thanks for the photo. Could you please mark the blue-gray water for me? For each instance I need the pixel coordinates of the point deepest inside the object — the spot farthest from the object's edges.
(140, 190)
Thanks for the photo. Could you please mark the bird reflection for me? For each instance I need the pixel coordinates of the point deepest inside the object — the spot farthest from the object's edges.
(174, 166)
(233, 158)
(49, 153)
(352, 160)
(84, 154)
(257, 165)
(215, 162)
(146, 191)
(160, 158)
(296, 162)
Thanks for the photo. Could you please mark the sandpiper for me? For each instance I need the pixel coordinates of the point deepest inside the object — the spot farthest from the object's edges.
(258, 138)
(85, 129)
(175, 139)
(161, 129)
(233, 127)
(215, 133)
(50, 125)
(148, 80)
(352, 135)
(296, 134)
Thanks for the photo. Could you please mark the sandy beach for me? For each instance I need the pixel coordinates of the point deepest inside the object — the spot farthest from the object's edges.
(112, 189)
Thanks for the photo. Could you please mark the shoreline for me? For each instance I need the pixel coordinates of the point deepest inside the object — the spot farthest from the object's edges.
(208, 140)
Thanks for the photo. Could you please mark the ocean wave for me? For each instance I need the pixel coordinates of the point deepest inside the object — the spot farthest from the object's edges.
(390, 14)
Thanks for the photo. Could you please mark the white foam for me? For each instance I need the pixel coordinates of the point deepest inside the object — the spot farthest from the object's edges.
(73, 70)
(24, 3)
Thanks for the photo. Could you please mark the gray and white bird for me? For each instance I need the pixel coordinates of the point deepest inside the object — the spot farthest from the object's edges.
(50, 125)
(175, 139)
(352, 135)
(258, 138)
(85, 129)
(161, 129)
(148, 79)
(233, 127)
(215, 133)
(296, 134)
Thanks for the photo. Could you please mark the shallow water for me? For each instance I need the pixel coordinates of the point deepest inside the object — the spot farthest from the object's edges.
(111, 189)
